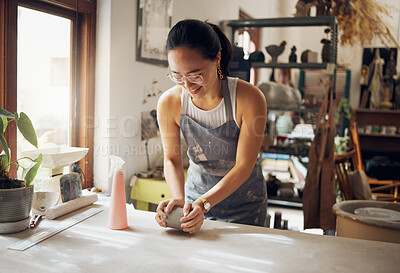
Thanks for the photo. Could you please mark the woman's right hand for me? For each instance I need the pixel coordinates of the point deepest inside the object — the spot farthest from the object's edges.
(169, 204)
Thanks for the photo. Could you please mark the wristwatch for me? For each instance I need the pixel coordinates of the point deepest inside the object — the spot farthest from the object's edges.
(206, 204)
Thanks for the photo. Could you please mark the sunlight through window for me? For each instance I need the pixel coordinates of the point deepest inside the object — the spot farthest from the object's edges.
(44, 78)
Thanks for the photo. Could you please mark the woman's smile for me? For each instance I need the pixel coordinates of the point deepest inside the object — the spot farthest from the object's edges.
(194, 90)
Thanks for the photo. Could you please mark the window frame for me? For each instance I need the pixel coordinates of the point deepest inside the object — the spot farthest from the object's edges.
(82, 71)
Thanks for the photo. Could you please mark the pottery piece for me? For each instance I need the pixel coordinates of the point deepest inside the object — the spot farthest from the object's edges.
(44, 200)
(173, 218)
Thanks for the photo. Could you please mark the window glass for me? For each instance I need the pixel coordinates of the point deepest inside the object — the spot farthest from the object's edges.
(44, 73)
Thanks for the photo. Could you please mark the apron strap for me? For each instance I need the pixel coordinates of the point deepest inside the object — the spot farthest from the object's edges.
(227, 100)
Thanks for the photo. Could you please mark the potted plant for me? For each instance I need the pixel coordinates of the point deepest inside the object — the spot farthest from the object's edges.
(343, 115)
(16, 194)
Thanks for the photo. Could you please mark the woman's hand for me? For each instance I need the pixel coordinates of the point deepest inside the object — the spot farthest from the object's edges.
(193, 217)
(169, 204)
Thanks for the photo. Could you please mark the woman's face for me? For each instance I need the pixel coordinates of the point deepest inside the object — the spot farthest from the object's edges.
(184, 62)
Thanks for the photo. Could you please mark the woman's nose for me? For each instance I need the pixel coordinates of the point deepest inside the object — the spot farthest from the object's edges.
(187, 83)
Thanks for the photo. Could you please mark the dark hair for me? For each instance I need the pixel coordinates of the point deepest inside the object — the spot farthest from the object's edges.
(208, 38)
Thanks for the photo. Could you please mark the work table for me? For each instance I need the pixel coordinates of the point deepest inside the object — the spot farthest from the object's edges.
(144, 246)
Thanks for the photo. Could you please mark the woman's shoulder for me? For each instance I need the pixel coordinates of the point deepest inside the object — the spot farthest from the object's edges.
(169, 104)
(248, 93)
(171, 97)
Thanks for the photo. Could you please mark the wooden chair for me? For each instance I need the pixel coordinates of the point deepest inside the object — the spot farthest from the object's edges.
(377, 185)
(345, 164)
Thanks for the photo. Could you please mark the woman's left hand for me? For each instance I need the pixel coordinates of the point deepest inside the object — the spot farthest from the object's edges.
(193, 217)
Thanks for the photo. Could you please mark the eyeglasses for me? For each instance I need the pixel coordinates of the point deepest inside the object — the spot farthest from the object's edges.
(197, 79)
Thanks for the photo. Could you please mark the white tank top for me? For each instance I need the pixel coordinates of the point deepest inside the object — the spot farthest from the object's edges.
(214, 117)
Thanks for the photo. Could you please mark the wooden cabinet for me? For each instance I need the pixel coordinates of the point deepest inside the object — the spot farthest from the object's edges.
(375, 130)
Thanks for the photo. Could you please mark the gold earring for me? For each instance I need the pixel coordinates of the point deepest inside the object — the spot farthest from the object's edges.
(220, 72)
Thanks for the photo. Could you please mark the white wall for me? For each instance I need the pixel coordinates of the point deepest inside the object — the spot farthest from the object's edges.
(120, 79)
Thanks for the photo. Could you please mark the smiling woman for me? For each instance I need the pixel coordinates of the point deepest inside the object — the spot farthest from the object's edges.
(222, 120)
(57, 76)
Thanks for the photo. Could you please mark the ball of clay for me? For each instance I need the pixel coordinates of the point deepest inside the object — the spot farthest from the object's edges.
(173, 218)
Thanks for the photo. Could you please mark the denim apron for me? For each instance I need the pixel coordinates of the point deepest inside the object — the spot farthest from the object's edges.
(212, 154)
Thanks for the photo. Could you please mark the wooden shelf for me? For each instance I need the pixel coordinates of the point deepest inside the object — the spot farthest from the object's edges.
(379, 135)
(298, 110)
(289, 65)
(378, 117)
(378, 111)
(282, 22)
(376, 142)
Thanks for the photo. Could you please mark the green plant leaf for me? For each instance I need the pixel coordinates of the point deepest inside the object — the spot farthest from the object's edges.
(26, 128)
(4, 146)
(5, 162)
(4, 123)
(31, 173)
(5, 113)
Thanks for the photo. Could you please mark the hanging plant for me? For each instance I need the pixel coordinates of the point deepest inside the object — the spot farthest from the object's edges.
(362, 20)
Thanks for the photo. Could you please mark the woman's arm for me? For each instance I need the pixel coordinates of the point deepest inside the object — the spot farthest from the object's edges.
(168, 109)
(168, 114)
(252, 118)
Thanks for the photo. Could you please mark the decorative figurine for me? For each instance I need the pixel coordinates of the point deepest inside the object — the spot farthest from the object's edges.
(375, 84)
(390, 70)
(397, 91)
(326, 48)
(274, 51)
(257, 56)
(293, 56)
(303, 8)
(323, 7)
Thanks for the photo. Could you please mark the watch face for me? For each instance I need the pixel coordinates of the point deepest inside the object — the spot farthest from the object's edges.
(207, 206)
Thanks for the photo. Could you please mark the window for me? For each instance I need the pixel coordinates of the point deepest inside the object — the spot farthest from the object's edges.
(48, 71)
(59, 71)
(43, 70)
(249, 40)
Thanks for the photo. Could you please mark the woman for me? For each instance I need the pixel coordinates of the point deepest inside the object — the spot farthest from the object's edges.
(223, 121)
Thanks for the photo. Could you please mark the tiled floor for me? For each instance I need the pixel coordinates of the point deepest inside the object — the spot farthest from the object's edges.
(294, 217)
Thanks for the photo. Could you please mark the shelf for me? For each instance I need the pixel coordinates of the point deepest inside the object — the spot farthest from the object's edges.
(379, 135)
(293, 202)
(377, 117)
(298, 110)
(378, 111)
(289, 65)
(282, 22)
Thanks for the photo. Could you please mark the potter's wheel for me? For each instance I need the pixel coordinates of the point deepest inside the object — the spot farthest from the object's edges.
(378, 213)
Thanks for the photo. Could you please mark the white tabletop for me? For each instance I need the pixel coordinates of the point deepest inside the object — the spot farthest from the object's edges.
(218, 247)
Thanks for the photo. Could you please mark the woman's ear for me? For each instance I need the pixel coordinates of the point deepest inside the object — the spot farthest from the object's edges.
(218, 58)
